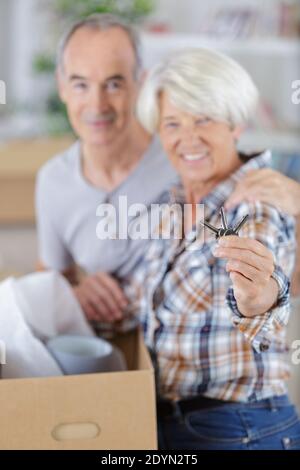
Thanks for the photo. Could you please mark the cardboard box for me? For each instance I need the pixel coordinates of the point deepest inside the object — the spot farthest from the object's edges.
(19, 162)
(113, 410)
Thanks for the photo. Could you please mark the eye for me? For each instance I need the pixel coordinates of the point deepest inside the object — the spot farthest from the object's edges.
(113, 85)
(171, 125)
(80, 86)
(202, 121)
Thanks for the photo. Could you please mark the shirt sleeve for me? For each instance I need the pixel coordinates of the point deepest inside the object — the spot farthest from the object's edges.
(276, 231)
(52, 251)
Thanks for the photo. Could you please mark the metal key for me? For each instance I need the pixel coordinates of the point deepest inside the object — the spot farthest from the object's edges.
(225, 230)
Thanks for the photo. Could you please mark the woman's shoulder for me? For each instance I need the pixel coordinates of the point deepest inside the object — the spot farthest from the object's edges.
(266, 223)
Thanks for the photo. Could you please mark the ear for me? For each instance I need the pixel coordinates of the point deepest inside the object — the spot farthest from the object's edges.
(237, 131)
(61, 85)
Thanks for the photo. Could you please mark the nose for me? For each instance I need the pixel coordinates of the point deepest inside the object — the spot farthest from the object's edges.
(190, 136)
(98, 100)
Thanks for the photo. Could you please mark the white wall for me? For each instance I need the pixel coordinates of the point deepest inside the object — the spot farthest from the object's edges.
(187, 15)
(294, 334)
(5, 44)
(25, 34)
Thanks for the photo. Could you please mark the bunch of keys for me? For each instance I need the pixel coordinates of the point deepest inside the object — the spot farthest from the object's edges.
(225, 230)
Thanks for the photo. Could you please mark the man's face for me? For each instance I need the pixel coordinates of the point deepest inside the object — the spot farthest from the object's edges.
(98, 85)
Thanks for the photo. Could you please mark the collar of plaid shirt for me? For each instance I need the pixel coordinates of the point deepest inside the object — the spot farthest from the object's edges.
(217, 197)
(208, 207)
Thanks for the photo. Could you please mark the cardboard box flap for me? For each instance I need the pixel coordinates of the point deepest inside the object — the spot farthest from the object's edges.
(134, 349)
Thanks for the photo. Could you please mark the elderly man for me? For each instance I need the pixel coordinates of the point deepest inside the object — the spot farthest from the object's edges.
(99, 75)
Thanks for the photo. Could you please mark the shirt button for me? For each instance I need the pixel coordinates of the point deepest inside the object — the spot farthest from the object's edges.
(264, 346)
(286, 441)
(158, 297)
(245, 440)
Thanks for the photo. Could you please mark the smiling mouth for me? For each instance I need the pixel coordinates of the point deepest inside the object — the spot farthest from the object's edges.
(195, 157)
(102, 123)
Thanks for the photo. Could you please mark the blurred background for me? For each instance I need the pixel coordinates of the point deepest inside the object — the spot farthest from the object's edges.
(262, 36)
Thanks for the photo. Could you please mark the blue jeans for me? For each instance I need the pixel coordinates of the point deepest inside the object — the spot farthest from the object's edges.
(263, 425)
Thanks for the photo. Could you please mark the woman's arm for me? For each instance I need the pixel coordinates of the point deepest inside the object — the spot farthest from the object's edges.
(258, 312)
(250, 266)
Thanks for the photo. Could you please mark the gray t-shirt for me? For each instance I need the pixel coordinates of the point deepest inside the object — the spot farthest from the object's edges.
(66, 210)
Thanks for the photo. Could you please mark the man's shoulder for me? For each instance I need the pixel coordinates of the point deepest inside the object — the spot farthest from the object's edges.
(156, 166)
(61, 165)
(157, 155)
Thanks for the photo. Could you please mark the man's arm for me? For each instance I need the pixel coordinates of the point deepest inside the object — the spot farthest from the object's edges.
(99, 294)
(71, 274)
(268, 186)
(52, 250)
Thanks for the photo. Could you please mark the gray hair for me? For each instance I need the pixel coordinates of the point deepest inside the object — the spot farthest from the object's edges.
(201, 82)
(102, 22)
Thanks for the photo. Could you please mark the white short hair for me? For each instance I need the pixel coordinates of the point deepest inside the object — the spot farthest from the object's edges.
(202, 82)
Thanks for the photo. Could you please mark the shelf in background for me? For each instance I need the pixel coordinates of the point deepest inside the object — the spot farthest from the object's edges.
(257, 46)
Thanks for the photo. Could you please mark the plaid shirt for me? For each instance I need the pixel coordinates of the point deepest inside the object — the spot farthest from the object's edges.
(182, 295)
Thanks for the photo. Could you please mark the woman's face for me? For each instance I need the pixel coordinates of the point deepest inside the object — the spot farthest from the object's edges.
(201, 150)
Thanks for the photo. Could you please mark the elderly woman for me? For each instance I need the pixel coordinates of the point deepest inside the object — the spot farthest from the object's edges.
(214, 313)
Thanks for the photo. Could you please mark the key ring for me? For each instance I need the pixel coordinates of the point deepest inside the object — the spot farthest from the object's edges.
(225, 230)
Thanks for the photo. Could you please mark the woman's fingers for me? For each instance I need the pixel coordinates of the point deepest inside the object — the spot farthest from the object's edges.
(248, 271)
(245, 243)
(243, 288)
(248, 250)
(247, 257)
(245, 269)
